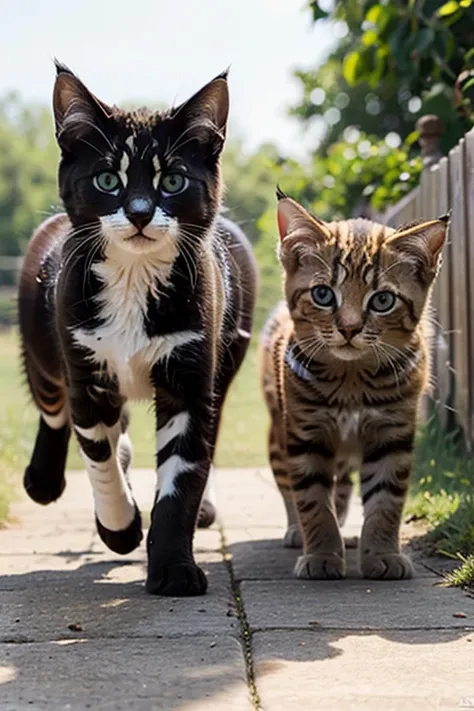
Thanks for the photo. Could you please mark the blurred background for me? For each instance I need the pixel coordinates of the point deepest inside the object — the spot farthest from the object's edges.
(324, 101)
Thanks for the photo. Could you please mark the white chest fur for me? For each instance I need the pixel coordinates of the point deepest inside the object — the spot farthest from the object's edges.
(121, 344)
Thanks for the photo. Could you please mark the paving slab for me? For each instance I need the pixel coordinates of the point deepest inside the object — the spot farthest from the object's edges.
(356, 604)
(124, 675)
(331, 671)
(109, 600)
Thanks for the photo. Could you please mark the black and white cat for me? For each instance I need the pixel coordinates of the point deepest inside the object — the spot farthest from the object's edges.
(140, 291)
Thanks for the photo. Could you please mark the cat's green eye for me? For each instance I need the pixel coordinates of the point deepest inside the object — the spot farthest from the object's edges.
(107, 182)
(382, 302)
(173, 183)
(323, 296)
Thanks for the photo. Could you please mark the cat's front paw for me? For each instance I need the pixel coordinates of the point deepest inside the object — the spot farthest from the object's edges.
(42, 486)
(386, 566)
(179, 580)
(320, 566)
(293, 537)
(125, 541)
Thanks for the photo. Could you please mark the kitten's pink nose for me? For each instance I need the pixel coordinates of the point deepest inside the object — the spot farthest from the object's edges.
(350, 331)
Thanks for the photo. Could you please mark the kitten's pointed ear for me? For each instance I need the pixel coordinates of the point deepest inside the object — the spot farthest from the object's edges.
(207, 111)
(292, 216)
(423, 239)
(76, 109)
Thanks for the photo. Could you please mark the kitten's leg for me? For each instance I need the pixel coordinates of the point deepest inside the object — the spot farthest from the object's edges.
(292, 537)
(385, 476)
(312, 466)
(343, 493)
(101, 433)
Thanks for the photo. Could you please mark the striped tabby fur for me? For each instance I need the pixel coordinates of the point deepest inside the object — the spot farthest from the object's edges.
(344, 362)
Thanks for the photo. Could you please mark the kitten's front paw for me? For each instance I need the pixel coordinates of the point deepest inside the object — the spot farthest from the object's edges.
(125, 541)
(42, 486)
(207, 514)
(386, 566)
(179, 580)
(320, 566)
(293, 537)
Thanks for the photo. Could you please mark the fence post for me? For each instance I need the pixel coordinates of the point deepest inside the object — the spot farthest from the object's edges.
(430, 129)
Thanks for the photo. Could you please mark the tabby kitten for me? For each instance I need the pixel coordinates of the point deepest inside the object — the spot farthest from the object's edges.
(344, 362)
(140, 291)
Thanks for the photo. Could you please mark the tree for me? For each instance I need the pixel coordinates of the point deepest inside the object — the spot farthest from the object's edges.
(396, 60)
(28, 164)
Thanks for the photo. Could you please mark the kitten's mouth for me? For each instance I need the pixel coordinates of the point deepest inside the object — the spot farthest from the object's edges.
(348, 351)
(138, 237)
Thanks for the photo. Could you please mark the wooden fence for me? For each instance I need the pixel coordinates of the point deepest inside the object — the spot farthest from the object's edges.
(448, 183)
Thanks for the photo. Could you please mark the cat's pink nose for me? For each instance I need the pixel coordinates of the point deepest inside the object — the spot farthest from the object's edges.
(350, 331)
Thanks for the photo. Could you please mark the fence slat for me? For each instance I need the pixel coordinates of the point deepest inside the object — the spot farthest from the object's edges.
(469, 224)
(460, 283)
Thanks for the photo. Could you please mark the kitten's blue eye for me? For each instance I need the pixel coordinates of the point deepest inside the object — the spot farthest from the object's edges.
(382, 302)
(323, 295)
(173, 183)
(107, 182)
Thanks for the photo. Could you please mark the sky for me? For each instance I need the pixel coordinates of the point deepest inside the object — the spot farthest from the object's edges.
(164, 50)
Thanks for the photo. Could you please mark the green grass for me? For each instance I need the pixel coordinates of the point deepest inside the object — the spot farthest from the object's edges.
(442, 494)
(462, 577)
(242, 440)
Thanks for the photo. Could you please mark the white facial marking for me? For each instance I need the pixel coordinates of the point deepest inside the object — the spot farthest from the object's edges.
(56, 421)
(130, 142)
(162, 233)
(168, 472)
(124, 164)
(157, 167)
(175, 427)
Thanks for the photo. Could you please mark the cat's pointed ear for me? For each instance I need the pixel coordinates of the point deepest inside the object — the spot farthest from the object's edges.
(421, 239)
(292, 217)
(76, 109)
(206, 113)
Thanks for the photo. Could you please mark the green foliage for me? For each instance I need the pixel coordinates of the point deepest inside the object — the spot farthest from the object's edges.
(28, 164)
(357, 170)
(442, 490)
(406, 51)
(462, 577)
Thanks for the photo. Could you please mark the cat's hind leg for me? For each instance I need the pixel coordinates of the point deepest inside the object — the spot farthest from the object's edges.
(44, 479)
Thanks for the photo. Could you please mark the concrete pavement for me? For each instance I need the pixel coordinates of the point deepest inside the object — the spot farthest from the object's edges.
(77, 630)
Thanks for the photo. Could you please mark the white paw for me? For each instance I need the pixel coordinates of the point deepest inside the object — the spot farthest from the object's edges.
(386, 566)
(293, 537)
(320, 566)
